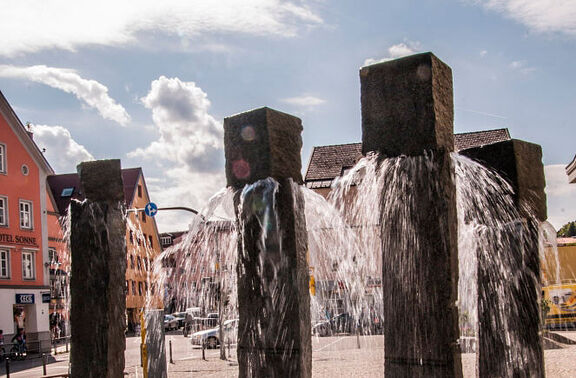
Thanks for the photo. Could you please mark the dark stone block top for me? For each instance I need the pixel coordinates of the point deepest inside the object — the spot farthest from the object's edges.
(101, 180)
(262, 143)
(519, 163)
(407, 106)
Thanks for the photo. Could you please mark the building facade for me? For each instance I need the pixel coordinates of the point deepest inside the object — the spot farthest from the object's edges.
(24, 246)
(142, 240)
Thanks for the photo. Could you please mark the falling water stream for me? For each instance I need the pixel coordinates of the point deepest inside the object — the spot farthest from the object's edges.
(345, 248)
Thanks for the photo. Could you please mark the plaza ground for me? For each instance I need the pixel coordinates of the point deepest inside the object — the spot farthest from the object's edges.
(337, 356)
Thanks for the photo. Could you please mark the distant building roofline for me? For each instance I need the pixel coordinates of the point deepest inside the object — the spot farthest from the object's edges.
(571, 171)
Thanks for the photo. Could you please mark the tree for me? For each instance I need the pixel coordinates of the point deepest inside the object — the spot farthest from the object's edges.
(569, 229)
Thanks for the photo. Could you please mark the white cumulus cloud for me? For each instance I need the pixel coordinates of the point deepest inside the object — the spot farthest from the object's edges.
(189, 135)
(396, 51)
(60, 149)
(538, 15)
(28, 26)
(560, 195)
(189, 149)
(91, 92)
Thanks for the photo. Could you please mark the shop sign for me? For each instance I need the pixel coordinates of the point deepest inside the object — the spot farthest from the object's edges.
(17, 239)
(45, 297)
(24, 298)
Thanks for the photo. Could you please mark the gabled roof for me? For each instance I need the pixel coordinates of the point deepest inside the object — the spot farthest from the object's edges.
(571, 171)
(328, 162)
(25, 138)
(473, 139)
(58, 183)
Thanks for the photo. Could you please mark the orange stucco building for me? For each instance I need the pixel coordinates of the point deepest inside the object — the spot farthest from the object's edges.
(24, 273)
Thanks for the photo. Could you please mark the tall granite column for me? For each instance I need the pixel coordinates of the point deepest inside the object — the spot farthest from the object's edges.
(273, 299)
(508, 312)
(407, 116)
(98, 299)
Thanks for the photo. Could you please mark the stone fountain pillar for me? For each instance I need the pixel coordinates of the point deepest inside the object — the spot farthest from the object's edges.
(520, 164)
(98, 298)
(407, 109)
(274, 335)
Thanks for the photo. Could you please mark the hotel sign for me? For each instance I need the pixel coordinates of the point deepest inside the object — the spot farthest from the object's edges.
(17, 239)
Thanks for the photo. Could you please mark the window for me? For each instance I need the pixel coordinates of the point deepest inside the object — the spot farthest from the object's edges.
(146, 286)
(25, 170)
(131, 237)
(26, 214)
(140, 288)
(53, 256)
(4, 263)
(140, 191)
(165, 240)
(139, 263)
(3, 211)
(67, 192)
(143, 217)
(131, 262)
(145, 241)
(27, 265)
(127, 287)
(2, 158)
(133, 287)
(150, 240)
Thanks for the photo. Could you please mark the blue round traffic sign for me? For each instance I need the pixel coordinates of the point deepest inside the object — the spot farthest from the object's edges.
(151, 209)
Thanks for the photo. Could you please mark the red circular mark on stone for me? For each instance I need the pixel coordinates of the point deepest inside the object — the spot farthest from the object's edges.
(241, 169)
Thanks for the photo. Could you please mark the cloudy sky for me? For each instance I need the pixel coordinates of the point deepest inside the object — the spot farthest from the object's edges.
(150, 82)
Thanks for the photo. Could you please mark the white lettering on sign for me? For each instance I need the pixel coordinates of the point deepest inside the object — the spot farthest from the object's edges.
(25, 298)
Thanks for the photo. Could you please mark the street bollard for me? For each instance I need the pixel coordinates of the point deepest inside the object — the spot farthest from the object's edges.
(358, 337)
(170, 349)
(44, 364)
(203, 353)
(7, 367)
(229, 354)
(66, 345)
(55, 349)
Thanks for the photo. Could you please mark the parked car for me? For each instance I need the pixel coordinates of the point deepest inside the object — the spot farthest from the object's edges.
(211, 337)
(170, 323)
(181, 316)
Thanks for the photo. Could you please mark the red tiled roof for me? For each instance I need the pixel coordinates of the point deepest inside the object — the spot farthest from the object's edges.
(327, 162)
(464, 141)
(58, 183)
(566, 241)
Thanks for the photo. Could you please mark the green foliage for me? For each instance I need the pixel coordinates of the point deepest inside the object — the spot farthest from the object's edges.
(569, 229)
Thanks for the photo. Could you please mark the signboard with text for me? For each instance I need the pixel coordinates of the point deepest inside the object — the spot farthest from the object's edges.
(25, 298)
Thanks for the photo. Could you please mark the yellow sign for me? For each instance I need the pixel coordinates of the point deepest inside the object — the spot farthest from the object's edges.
(312, 285)
(143, 350)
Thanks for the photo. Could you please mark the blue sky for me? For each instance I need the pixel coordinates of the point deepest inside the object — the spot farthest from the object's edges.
(150, 82)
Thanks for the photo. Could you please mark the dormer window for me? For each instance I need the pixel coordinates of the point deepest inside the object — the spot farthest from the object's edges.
(67, 192)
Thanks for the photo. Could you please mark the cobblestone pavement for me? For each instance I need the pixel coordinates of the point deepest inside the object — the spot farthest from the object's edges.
(332, 357)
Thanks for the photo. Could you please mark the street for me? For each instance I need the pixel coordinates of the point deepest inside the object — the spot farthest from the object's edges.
(336, 356)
